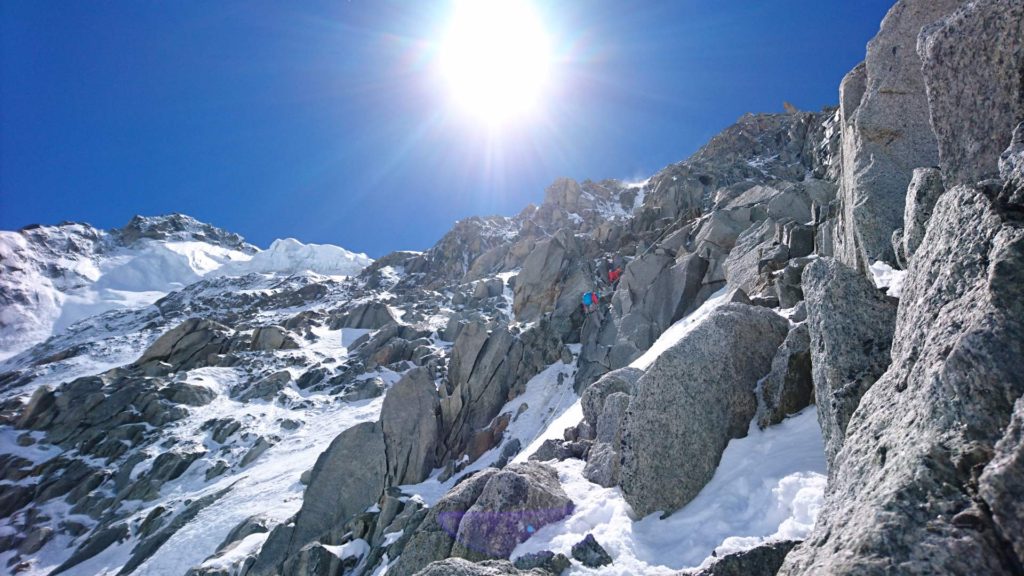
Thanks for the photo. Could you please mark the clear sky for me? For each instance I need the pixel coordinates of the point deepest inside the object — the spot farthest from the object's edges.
(331, 122)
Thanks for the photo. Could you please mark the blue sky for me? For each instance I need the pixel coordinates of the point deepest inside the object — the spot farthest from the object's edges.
(328, 121)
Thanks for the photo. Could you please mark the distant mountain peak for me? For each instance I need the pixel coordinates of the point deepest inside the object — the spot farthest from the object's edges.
(181, 227)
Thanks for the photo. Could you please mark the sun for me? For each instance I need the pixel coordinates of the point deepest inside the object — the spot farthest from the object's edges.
(496, 57)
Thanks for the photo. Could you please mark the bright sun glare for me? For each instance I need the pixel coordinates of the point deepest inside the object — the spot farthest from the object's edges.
(496, 57)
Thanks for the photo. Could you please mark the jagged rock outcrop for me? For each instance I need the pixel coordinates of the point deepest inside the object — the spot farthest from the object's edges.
(885, 134)
(180, 227)
(371, 315)
(922, 194)
(488, 363)
(655, 291)
(409, 418)
(337, 490)
(460, 567)
(851, 326)
(548, 561)
(972, 62)
(1002, 483)
(1011, 168)
(266, 388)
(903, 486)
(696, 396)
(789, 387)
(552, 278)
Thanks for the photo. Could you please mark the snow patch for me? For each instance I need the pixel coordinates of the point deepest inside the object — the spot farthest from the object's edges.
(888, 279)
(769, 486)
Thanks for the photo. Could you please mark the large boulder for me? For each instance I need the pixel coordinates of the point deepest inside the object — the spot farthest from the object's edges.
(515, 503)
(763, 560)
(851, 325)
(486, 516)
(194, 343)
(972, 62)
(604, 457)
(696, 396)
(900, 495)
(433, 539)
(460, 567)
(372, 315)
(885, 134)
(621, 380)
(269, 338)
(409, 418)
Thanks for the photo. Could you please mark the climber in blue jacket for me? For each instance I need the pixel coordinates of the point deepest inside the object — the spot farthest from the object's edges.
(590, 301)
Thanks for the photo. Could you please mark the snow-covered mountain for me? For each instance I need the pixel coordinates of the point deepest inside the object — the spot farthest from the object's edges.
(54, 276)
(810, 365)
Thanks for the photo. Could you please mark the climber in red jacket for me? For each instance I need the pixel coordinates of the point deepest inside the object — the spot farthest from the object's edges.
(613, 276)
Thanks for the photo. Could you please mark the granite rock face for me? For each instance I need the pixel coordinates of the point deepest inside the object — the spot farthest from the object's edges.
(925, 188)
(789, 387)
(900, 496)
(972, 61)
(337, 489)
(851, 326)
(885, 134)
(409, 419)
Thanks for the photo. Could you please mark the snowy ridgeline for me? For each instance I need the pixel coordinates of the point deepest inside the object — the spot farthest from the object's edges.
(49, 287)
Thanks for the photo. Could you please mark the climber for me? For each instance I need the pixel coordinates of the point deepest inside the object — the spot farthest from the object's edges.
(590, 301)
(613, 276)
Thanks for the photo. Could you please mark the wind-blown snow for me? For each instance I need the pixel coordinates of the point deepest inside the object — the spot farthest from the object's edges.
(769, 486)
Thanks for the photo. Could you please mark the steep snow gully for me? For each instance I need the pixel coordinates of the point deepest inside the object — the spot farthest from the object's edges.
(811, 363)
